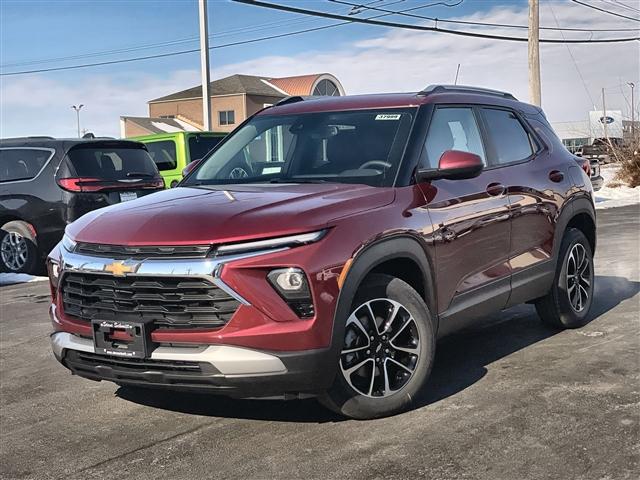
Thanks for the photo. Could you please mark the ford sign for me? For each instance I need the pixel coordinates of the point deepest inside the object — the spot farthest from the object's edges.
(606, 120)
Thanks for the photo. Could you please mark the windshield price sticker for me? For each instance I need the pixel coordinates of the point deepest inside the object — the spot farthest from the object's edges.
(388, 116)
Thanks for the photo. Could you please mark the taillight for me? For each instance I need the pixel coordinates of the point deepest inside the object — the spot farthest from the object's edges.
(586, 166)
(81, 184)
(155, 183)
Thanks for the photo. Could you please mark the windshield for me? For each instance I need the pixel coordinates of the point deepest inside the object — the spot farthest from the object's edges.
(111, 163)
(362, 147)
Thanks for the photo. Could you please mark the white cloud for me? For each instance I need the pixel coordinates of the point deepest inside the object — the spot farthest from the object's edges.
(41, 105)
(398, 60)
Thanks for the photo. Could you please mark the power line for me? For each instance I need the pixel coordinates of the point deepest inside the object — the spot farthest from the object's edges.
(575, 63)
(483, 24)
(621, 5)
(605, 11)
(464, 33)
(184, 52)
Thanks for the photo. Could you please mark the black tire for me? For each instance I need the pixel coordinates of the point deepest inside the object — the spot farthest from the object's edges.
(556, 309)
(342, 397)
(18, 229)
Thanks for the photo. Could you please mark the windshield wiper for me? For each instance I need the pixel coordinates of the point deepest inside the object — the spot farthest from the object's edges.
(297, 180)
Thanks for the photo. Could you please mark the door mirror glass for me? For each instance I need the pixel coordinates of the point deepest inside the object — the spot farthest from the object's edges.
(454, 165)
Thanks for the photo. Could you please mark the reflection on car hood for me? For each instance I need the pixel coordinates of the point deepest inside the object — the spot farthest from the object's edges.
(226, 213)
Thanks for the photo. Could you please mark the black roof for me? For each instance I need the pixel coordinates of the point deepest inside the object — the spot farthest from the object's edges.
(57, 143)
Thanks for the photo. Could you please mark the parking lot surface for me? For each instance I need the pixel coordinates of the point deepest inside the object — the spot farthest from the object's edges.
(510, 399)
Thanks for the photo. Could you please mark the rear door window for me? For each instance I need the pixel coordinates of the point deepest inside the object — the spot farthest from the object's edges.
(111, 162)
(22, 163)
(511, 142)
(163, 154)
(200, 145)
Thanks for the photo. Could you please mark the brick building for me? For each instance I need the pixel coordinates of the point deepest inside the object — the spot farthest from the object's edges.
(233, 99)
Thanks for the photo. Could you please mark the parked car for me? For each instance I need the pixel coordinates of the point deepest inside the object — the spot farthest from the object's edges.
(363, 229)
(172, 152)
(47, 183)
(591, 167)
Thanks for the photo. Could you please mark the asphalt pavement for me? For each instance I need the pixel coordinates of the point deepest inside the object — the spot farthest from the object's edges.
(510, 399)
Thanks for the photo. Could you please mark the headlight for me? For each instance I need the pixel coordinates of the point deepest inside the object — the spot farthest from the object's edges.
(291, 284)
(271, 243)
(68, 244)
(53, 269)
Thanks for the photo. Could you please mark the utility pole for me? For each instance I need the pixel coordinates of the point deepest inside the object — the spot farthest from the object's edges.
(604, 117)
(535, 96)
(77, 109)
(633, 114)
(204, 65)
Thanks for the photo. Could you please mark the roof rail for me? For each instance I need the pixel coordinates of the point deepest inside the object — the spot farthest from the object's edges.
(288, 100)
(465, 89)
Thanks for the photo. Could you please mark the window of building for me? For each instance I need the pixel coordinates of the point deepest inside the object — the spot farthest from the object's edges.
(575, 144)
(22, 163)
(163, 154)
(227, 117)
(452, 129)
(511, 141)
(326, 88)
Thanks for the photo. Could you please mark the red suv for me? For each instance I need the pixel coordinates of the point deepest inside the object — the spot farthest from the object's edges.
(325, 245)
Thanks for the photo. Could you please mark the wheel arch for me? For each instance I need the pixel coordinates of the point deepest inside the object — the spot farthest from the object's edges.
(580, 215)
(402, 256)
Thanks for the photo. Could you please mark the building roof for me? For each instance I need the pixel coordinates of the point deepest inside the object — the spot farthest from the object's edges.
(252, 85)
(162, 125)
(227, 86)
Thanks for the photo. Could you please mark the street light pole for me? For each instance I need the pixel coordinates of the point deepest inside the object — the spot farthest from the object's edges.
(204, 65)
(633, 113)
(77, 109)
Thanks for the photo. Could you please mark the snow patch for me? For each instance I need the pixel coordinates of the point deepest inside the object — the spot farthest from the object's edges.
(610, 197)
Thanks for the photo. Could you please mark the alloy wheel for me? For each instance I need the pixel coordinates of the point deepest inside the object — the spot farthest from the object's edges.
(381, 348)
(14, 251)
(579, 277)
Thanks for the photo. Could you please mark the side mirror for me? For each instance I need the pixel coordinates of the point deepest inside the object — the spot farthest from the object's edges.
(453, 165)
(189, 168)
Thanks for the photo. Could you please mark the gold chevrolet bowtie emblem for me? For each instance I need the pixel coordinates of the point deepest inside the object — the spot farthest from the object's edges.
(119, 268)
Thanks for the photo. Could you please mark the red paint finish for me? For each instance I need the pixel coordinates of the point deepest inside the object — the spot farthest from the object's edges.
(473, 232)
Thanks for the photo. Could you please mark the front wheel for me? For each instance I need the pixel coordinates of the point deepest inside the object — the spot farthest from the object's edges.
(387, 351)
(18, 248)
(568, 302)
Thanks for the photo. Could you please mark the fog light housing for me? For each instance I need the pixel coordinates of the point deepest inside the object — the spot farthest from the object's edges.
(291, 284)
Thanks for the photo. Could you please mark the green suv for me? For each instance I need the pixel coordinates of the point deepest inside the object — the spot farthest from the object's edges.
(171, 152)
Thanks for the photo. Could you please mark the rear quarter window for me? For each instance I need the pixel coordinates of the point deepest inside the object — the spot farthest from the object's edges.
(163, 154)
(111, 162)
(22, 163)
(200, 145)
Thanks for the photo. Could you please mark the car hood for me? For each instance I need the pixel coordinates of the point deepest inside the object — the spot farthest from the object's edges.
(231, 213)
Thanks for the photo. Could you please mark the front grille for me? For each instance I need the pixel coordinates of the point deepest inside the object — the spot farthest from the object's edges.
(123, 252)
(137, 364)
(172, 302)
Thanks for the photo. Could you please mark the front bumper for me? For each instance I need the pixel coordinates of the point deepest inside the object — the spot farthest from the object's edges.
(222, 369)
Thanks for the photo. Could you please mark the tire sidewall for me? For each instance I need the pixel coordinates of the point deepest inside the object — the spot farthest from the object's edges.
(566, 314)
(343, 398)
(32, 247)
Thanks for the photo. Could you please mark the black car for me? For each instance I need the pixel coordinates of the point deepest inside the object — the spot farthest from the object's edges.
(47, 183)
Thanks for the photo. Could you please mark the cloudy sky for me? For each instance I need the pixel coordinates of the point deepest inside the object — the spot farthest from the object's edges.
(47, 34)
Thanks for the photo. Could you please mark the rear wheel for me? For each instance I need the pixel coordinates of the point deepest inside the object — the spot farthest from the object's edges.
(18, 248)
(568, 302)
(387, 351)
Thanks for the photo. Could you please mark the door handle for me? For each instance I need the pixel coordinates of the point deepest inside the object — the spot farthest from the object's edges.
(496, 189)
(556, 176)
